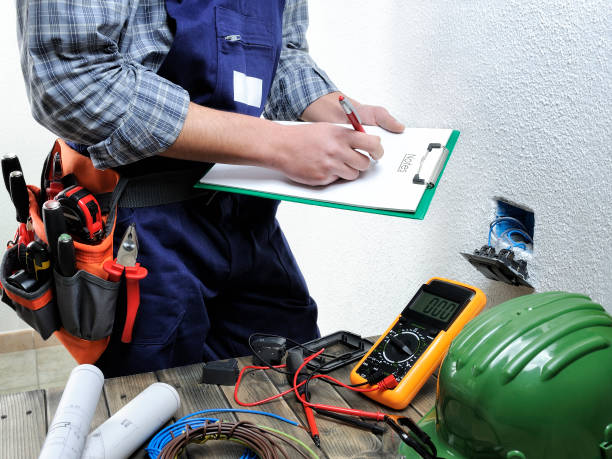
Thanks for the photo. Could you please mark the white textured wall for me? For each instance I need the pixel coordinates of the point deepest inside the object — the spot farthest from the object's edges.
(19, 133)
(528, 85)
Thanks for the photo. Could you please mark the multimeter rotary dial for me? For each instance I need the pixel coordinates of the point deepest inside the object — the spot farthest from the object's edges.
(401, 346)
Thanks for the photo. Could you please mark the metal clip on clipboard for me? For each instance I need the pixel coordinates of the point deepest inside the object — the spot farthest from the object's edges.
(437, 169)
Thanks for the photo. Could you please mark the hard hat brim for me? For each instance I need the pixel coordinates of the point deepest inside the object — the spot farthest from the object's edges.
(428, 425)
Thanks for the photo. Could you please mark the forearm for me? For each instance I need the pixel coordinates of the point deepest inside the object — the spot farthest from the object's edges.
(217, 136)
(313, 154)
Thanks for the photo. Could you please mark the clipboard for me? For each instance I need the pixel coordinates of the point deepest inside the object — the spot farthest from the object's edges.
(239, 179)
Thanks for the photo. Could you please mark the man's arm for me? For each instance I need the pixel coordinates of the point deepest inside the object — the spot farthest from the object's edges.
(82, 88)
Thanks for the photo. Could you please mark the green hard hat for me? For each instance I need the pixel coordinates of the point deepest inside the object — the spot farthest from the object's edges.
(530, 378)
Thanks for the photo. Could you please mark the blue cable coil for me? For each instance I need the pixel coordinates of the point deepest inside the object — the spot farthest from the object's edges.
(164, 436)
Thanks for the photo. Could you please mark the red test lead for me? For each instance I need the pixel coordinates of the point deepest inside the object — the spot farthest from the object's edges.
(351, 113)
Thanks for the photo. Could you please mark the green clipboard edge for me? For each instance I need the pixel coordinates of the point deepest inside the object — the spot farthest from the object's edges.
(418, 214)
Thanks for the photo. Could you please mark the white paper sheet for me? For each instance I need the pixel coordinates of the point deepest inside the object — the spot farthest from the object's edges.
(387, 185)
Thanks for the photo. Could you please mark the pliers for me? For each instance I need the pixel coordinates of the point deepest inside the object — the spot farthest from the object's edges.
(126, 262)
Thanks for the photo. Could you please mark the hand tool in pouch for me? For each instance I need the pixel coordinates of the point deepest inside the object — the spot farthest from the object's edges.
(10, 163)
(66, 261)
(55, 224)
(82, 213)
(126, 261)
(55, 184)
(21, 200)
(37, 268)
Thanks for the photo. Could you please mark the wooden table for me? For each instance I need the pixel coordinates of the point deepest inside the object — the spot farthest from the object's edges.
(25, 416)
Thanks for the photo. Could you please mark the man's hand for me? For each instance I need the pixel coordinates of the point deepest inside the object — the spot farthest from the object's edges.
(373, 115)
(321, 153)
(327, 108)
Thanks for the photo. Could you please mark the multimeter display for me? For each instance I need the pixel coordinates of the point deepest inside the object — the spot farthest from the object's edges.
(434, 306)
(431, 311)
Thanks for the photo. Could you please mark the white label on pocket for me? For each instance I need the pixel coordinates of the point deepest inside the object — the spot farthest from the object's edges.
(247, 89)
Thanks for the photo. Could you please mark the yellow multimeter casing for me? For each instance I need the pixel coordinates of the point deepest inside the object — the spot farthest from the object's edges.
(415, 343)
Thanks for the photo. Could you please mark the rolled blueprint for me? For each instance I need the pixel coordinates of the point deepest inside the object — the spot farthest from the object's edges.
(68, 431)
(132, 425)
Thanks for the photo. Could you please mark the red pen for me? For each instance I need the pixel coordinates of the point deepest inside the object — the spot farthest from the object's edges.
(351, 114)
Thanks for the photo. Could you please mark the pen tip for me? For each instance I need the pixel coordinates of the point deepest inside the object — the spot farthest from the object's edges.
(317, 441)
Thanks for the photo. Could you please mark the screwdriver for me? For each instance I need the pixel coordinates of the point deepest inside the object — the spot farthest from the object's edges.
(19, 195)
(55, 225)
(66, 262)
(21, 200)
(9, 163)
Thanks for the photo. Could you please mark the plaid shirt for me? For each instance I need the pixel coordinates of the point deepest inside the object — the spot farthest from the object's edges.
(90, 72)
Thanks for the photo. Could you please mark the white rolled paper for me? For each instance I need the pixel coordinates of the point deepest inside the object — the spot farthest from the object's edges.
(132, 425)
(68, 431)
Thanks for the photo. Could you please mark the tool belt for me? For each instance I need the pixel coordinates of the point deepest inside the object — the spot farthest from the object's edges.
(81, 310)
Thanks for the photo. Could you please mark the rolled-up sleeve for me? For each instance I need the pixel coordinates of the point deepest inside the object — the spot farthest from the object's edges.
(83, 89)
(298, 81)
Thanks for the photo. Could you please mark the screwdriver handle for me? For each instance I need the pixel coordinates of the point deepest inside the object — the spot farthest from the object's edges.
(19, 195)
(55, 225)
(10, 163)
(66, 261)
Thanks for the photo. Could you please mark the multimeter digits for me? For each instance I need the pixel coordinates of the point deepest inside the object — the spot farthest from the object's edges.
(432, 318)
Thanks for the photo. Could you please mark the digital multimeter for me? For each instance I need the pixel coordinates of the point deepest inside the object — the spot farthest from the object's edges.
(416, 342)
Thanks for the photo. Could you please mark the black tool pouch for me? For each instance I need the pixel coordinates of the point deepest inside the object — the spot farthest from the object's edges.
(37, 308)
(86, 304)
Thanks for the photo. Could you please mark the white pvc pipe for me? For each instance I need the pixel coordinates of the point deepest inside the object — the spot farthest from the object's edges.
(68, 431)
(132, 425)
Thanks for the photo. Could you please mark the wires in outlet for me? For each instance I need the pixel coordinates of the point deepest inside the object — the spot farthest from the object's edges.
(518, 228)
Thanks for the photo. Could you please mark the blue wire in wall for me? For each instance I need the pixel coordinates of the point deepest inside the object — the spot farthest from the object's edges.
(518, 228)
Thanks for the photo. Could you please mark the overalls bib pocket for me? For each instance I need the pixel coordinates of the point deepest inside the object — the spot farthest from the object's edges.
(245, 61)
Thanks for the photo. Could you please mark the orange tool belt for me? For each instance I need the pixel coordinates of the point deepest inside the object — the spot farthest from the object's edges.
(79, 310)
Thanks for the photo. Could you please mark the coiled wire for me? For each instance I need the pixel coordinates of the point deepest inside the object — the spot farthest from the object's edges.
(267, 444)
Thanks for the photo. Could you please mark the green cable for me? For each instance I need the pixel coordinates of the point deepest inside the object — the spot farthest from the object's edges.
(291, 437)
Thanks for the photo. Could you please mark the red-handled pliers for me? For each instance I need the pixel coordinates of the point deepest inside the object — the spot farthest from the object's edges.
(126, 261)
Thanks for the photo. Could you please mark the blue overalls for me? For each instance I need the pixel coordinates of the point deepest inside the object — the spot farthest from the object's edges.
(219, 269)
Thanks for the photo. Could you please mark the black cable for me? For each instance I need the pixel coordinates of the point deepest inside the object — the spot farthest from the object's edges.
(312, 373)
(295, 343)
